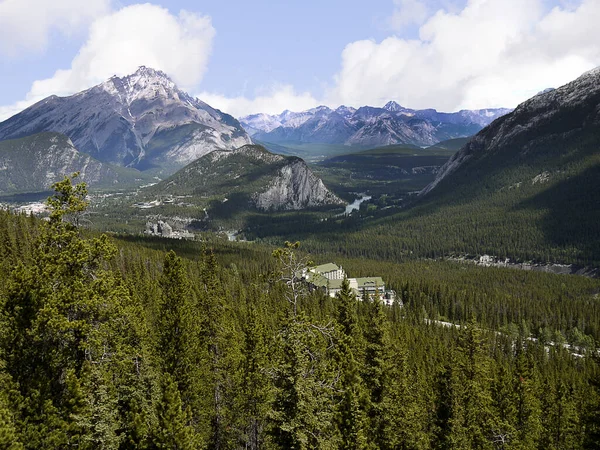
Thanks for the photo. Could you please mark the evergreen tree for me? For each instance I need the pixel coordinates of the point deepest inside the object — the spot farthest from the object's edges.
(256, 389)
(98, 419)
(58, 311)
(560, 416)
(376, 370)
(528, 408)
(592, 418)
(404, 413)
(351, 420)
(471, 421)
(302, 413)
(172, 430)
(9, 435)
(175, 344)
(505, 406)
(220, 340)
(443, 408)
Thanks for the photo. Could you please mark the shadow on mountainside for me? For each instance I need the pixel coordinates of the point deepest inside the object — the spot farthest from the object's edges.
(572, 218)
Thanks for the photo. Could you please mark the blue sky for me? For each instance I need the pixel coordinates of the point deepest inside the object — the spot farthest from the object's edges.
(251, 56)
(257, 43)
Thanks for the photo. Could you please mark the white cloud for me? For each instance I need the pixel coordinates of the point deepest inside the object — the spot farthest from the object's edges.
(492, 53)
(408, 12)
(134, 36)
(486, 53)
(120, 42)
(25, 25)
(272, 101)
(7, 111)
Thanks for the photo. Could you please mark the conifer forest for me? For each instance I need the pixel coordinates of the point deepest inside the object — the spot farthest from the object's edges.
(122, 342)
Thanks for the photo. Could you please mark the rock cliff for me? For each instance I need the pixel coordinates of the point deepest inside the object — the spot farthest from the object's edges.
(249, 176)
(295, 187)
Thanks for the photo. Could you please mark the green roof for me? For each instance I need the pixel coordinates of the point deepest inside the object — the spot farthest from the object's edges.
(320, 281)
(370, 282)
(324, 268)
(317, 279)
(335, 284)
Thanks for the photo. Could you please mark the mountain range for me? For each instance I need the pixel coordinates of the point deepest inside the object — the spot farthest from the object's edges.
(143, 121)
(549, 129)
(140, 125)
(524, 188)
(368, 126)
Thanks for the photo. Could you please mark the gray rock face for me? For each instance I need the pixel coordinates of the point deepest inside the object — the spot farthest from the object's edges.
(142, 120)
(159, 228)
(295, 187)
(249, 176)
(36, 162)
(368, 126)
(547, 116)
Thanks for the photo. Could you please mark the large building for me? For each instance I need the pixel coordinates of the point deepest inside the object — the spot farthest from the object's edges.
(329, 277)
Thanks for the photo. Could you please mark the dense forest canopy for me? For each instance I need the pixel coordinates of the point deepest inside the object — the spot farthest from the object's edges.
(123, 343)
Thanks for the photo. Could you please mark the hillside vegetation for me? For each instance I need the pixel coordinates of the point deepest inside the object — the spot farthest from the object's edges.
(120, 344)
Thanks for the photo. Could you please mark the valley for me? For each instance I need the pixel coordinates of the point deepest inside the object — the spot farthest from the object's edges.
(185, 289)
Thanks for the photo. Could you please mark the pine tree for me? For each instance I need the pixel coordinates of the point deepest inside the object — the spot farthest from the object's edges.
(256, 390)
(592, 417)
(220, 341)
(302, 413)
(505, 406)
(471, 421)
(9, 435)
(404, 414)
(173, 318)
(528, 408)
(351, 420)
(172, 430)
(560, 415)
(58, 309)
(376, 370)
(443, 408)
(98, 420)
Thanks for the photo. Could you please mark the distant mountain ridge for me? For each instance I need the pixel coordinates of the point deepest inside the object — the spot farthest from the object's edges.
(34, 163)
(368, 126)
(525, 187)
(142, 120)
(563, 114)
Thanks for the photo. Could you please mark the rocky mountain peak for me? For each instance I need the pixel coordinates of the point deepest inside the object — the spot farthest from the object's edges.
(393, 106)
(367, 125)
(145, 83)
(142, 120)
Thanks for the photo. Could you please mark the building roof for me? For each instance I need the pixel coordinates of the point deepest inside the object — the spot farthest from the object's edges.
(335, 284)
(324, 268)
(370, 282)
(319, 280)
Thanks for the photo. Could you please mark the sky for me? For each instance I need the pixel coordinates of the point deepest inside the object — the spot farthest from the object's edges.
(245, 56)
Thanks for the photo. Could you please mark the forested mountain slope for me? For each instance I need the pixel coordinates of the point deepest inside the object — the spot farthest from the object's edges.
(249, 176)
(119, 344)
(525, 187)
(35, 163)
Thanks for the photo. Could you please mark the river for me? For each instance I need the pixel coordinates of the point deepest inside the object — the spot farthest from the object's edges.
(356, 203)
